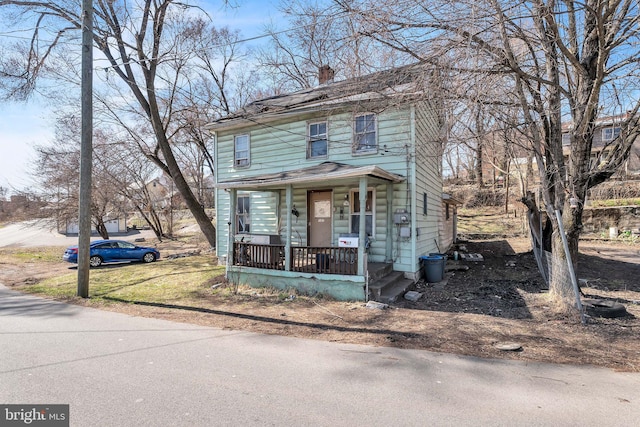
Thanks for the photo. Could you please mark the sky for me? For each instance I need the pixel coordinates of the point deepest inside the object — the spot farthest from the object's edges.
(25, 125)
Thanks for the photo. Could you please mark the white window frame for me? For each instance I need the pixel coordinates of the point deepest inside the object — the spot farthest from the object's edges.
(245, 214)
(354, 195)
(610, 133)
(358, 148)
(245, 160)
(317, 137)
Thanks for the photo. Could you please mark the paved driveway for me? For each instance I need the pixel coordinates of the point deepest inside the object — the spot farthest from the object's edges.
(44, 233)
(118, 370)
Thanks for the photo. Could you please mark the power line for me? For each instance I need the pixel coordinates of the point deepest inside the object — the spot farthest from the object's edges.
(204, 48)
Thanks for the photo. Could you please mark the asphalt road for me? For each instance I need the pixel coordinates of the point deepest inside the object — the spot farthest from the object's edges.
(118, 370)
(44, 233)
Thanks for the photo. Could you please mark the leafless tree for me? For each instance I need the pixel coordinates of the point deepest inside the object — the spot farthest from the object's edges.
(563, 60)
(148, 47)
(56, 171)
(132, 176)
(317, 36)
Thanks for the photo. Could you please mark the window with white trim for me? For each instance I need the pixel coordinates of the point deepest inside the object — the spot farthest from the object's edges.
(611, 133)
(369, 211)
(241, 150)
(243, 213)
(317, 140)
(364, 134)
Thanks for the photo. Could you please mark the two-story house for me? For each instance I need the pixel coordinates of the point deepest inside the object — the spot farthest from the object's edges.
(332, 189)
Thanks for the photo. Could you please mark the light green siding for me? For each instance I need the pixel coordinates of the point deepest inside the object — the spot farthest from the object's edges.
(264, 212)
(428, 180)
(409, 145)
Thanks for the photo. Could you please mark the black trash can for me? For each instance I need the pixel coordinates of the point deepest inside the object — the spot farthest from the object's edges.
(444, 264)
(432, 268)
(322, 262)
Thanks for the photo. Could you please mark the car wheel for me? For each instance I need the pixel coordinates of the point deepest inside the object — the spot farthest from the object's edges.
(149, 257)
(95, 261)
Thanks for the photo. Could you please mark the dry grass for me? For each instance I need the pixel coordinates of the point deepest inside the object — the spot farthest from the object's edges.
(469, 315)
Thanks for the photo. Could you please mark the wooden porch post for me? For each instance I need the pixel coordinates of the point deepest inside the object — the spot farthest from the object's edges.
(389, 247)
(362, 231)
(233, 201)
(287, 241)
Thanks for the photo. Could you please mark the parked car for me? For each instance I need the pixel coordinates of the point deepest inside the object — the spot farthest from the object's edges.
(102, 251)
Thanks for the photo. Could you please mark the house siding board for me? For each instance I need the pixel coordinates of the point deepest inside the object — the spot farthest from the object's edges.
(264, 208)
(299, 224)
(428, 180)
(408, 137)
(402, 248)
(282, 146)
(222, 216)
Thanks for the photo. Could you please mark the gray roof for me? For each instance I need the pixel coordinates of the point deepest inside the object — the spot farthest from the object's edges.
(324, 172)
(395, 85)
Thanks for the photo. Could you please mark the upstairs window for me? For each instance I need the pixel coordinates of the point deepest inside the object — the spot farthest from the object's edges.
(611, 133)
(566, 139)
(243, 214)
(241, 150)
(364, 135)
(317, 137)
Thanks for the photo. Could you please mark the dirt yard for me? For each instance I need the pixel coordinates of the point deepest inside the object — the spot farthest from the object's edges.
(502, 299)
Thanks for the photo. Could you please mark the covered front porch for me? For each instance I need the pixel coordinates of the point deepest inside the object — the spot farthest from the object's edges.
(291, 257)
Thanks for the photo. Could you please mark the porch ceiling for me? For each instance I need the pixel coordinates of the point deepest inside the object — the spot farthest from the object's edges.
(327, 171)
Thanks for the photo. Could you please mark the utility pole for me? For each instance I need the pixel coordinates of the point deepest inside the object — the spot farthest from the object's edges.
(86, 150)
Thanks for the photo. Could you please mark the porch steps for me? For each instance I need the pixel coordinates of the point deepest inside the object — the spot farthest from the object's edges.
(388, 288)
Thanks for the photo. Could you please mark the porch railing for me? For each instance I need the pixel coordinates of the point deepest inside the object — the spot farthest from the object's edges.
(306, 259)
(270, 257)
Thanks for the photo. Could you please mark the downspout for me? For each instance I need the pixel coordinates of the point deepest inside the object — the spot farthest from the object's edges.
(411, 187)
(389, 237)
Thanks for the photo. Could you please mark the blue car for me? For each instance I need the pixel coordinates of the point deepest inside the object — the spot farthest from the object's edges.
(102, 251)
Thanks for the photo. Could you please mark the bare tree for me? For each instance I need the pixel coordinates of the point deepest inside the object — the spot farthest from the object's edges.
(148, 46)
(567, 60)
(319, 36)
(131, 175)
(56, 171)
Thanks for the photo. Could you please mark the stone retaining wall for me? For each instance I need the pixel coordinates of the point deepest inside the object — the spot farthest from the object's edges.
(597, 220)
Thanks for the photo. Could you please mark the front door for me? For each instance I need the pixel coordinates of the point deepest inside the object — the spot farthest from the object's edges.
(320, 210)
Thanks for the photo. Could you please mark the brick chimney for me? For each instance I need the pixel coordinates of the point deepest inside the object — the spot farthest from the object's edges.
(325, 74)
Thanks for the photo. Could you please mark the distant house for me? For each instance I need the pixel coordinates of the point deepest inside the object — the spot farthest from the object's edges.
(113, 226)
(163, 193)
(606, 130)
(334, 188)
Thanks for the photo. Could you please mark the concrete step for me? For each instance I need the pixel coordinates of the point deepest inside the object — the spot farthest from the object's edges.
(398, 289)
(378, 270)
(388, 288)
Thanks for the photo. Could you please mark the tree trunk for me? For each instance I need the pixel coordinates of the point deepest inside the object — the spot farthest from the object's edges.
(197, 210)
(102, 229)
(153, 222)
(479, 177)
(560, 284)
